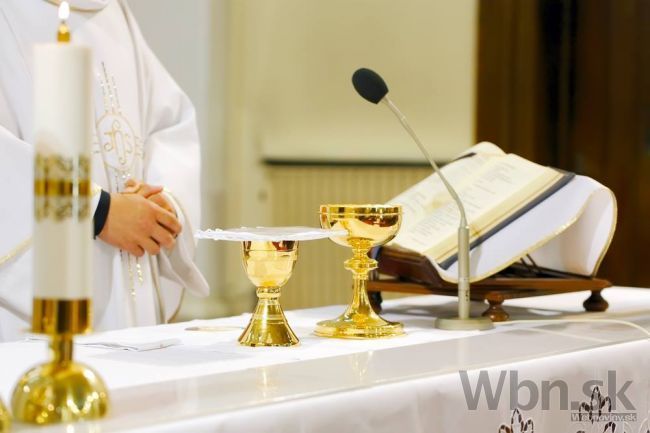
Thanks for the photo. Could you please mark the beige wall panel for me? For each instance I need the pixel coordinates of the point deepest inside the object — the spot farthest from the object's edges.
(299, 57)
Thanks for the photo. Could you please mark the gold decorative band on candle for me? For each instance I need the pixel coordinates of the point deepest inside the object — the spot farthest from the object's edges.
(61, 187)
(61, 316)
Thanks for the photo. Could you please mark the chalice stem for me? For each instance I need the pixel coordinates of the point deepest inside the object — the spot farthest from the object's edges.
(268, 307)
(360, 265)
(360, 303)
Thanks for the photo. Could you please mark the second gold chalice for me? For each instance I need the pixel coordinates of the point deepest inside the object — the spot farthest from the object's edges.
(367, 226)
(269, 266)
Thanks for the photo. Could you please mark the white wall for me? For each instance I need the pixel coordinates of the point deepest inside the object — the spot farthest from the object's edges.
(189, 38)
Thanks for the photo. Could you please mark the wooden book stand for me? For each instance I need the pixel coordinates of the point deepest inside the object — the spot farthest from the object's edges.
(413, 273)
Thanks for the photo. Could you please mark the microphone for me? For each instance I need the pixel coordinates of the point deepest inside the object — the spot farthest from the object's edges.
(373, 88)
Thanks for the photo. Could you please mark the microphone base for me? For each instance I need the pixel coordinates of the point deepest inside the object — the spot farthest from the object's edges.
(458, 324)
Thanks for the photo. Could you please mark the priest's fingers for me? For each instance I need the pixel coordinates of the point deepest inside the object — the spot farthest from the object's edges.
(147, 190)
(144, 189)
(163, 237)
(134, 249)
(132, 186)
(169, 221)
(150, 246)
(161, 201)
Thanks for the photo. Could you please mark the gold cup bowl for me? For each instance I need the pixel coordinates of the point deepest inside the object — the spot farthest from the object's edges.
(269, 266)
(368, 226)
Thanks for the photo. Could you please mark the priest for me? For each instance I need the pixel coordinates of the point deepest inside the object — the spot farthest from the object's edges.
(145, 168)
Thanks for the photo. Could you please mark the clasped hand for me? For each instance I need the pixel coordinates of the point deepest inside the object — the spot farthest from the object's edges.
(141, 219)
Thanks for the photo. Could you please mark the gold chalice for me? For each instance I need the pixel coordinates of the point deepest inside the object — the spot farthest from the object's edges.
(367, 226)
(269, 266)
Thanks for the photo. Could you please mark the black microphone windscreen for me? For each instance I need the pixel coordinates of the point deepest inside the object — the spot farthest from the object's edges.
(369, 85)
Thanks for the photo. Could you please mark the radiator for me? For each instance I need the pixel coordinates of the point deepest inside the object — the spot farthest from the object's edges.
(296, 193)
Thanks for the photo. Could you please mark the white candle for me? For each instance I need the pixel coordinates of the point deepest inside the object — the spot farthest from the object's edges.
(62, 125)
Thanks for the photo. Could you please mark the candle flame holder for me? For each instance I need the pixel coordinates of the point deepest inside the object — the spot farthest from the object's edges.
(61, 390)
(269, 266)
(367, 226)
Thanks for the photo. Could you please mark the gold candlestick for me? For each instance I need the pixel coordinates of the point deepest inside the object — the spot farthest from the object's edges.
(269, 266)
(61, 390)
(5, 419)
(367, 226)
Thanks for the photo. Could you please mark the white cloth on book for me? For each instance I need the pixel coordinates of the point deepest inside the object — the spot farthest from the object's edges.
(145, 129)
(570, 231)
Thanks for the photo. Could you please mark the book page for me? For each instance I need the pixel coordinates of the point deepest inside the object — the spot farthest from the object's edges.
(502, 185)
(429, 194)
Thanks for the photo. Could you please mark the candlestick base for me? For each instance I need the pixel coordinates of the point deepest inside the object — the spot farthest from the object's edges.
(5, 419)
(60, 390)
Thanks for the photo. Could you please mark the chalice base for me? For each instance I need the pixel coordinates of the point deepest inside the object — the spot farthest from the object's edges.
(359, 326)
(59, 392)
(268, 327)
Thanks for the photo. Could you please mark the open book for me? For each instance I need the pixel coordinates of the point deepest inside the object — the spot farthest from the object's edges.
(514, 207)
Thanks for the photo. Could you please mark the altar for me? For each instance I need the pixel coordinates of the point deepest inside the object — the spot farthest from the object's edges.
(429, 380)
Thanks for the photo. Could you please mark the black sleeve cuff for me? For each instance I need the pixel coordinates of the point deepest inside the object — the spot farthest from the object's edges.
(101, 213)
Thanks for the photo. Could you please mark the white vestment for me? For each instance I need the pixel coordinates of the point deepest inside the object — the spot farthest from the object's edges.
(145, 129)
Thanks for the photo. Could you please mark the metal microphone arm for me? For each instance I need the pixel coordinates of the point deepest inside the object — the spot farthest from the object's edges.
(463, 228)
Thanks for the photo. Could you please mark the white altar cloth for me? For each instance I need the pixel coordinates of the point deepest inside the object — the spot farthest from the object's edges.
(208, 383)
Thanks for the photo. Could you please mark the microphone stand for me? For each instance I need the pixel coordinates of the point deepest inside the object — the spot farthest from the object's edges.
(463, 321)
